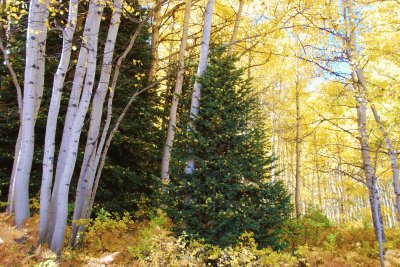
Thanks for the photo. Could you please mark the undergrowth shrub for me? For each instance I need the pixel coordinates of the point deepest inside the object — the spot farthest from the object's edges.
(120, 241)
(312, 229)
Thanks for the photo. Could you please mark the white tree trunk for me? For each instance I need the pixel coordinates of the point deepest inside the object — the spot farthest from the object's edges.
(85, 183)
(102, 157)
(51, 125)
(175, 98)
(33, 85)
(61, 211)
(359, 84)
(236, 27)
(11, 189)
(195, 104)
(73, 103)
(155, 39)
(75, 94)
(10, 202)
(100, 152)
(393, 159)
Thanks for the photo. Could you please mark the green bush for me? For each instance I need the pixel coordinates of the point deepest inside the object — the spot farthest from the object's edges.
(313, 229)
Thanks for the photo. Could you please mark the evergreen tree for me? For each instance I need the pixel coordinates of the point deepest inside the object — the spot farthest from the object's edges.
(230, 191)
(130, 180)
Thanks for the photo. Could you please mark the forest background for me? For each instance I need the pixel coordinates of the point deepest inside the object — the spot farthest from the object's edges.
(325, 75)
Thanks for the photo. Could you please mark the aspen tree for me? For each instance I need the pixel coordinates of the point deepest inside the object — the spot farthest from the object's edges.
(393, 159)
(61, 201)
(10, 205)
(175, 98)
(33, 86)
(73, 103)
(298, 144)
(236, 27)
(359, 84)
(102, 143)
(85, 183)
(155, 39)
(51, 126)
(195, 103)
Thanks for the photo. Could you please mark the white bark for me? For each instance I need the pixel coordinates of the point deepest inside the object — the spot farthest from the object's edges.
(61, 204)
(73, 103)
(85, 183)
(106, 144)
(393, 159)
(51, 125)
(175, 98)
(10, 202)
(76, 90)
(33, 85)
(155, 39)
(359, 84)
(100, 152)
(195, 104)
(236, 27)
(75, 94)
(11, 190)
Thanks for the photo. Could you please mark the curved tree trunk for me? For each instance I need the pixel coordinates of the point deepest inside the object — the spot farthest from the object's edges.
(85, 184)
(107, 143)
(360, 86)
(76, 90)
(51, 125)
(101, 151)
(63, 181)
(393, 159)
(10, 202)
(175, 98)
(33, 86)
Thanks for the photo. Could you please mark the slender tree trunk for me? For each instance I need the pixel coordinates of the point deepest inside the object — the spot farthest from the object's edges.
(297, 200)
(11, 190)
(13, 76)
(10, 202)
(61, 212)
(76, 90)
(107, 143)
(393, 159)
(370, 173)
(175, 98)
(100, 153)
(85, 184)
(195, 104)
(51, 126)
(33, 85)
(155, 39)
(360, 86)
(236, 27)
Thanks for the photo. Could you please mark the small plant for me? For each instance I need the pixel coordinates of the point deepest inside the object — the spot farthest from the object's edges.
(330, 243)
(149, 236)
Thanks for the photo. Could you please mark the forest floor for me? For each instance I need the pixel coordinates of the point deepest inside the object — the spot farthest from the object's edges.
(123, 242)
